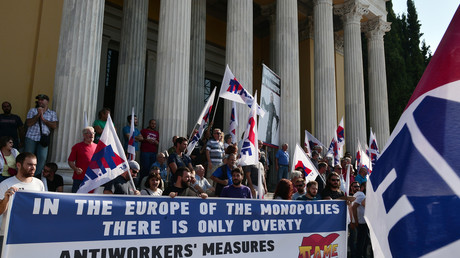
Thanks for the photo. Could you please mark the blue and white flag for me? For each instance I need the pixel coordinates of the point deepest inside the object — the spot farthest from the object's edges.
(413, 193)
(131, 151)
(202, 121)
(340, 137)
(333, 150)
(108, 161)
(373, 147)
(233, 123)
(250, 149)
(310, 142)
(231, 89)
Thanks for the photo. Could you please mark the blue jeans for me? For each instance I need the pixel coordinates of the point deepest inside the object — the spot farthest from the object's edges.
(283, 172)
(147, 159)
(40, 151)
(75, 185)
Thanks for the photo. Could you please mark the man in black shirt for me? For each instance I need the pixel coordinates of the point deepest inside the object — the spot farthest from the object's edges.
(181, 186)
(52, 181)
(332, 190)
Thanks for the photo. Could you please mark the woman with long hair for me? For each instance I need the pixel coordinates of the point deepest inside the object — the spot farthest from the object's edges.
(7, 157)
(284, 190)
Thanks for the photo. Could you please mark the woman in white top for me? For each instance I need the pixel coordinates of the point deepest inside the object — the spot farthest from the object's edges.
(7, 157)
(151, 185)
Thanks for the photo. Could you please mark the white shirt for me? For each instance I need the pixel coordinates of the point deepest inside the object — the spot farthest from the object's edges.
(34, 185)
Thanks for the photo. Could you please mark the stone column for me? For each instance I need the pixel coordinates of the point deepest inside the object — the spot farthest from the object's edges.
(131, 63)
(173, 66)
(150, 87)
(102, 76)
(197, 61)
(288, 70)
(378, 97)
(324, 72)
(239, 55)
(355, 109)
(77, 74)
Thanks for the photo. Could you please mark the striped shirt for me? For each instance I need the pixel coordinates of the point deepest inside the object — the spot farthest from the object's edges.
(216, 151)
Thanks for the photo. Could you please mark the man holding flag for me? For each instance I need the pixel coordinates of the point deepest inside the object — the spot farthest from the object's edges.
(202, 121)
(250, 154)
(107, 162)
(122, 184)
(132, 138)
(233, 123)
(80, 157)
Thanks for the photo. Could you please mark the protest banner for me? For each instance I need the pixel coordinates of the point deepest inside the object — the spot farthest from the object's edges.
(270, 98)
(43, 224)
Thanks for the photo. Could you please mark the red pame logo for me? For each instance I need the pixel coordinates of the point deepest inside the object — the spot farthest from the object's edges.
(317, 246)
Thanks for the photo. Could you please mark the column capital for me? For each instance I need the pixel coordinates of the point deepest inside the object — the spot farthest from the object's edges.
(351, 11)
(376, 28)
(306, 29)
(316, 2)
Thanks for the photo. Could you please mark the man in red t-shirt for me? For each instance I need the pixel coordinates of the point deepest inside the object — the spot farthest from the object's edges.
(80, 157)
(149, 147)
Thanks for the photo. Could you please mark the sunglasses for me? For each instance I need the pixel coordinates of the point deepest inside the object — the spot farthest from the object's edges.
(335, 180)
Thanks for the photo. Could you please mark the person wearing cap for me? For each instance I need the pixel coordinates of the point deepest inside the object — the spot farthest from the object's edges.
(123, 184)
(40, 122)
(80, 157)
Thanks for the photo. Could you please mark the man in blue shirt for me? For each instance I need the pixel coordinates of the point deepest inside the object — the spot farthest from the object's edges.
(137, 136)
(282, 162)
(236, 190)
(222, 176)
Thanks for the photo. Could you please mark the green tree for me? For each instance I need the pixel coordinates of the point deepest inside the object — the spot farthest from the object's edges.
(405, 59)
(397, 79)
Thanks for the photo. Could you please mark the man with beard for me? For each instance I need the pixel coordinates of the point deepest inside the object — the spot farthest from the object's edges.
(299, 184)
(312, 191)
(26, 164)
(52, 181)
(181, 186)
(236, 190)
(332, 190)
(179, 159)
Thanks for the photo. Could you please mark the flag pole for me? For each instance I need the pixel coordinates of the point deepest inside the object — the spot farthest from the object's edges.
(215, 111)
(131, 180)
(190, 136)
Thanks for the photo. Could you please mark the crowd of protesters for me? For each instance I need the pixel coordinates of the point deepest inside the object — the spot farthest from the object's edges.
(211, 169)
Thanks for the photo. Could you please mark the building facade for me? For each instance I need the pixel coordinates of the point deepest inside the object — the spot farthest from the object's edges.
(164, 57)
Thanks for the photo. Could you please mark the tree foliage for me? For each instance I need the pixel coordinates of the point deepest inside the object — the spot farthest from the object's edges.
(406, 58)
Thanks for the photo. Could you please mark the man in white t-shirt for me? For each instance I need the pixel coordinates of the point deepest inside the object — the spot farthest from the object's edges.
(358, 207)
(26, 164)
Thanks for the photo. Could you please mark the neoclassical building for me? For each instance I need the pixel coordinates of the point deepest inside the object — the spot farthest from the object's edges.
(164, 57)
